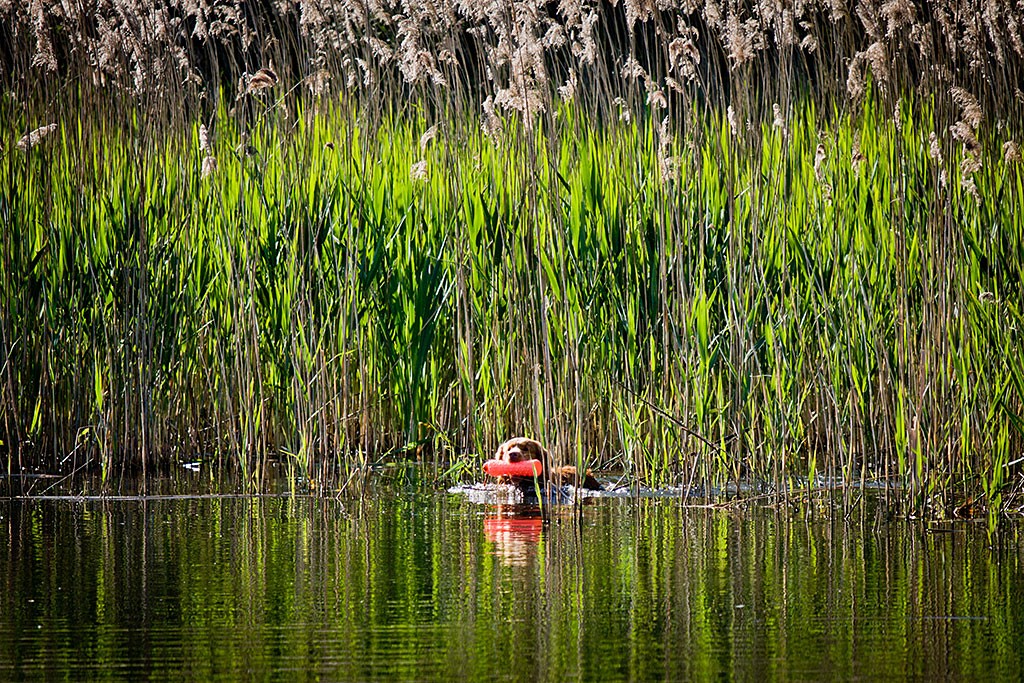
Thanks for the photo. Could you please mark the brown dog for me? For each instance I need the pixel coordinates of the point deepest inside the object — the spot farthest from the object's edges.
(520, 449)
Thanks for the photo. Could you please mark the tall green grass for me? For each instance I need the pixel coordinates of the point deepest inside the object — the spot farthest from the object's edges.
(762, 306)
(739, 242)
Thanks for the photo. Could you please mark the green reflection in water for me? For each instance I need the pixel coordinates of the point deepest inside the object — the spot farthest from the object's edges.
(435, 587)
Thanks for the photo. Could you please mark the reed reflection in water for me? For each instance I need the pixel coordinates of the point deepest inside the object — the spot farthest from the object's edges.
(434, 586)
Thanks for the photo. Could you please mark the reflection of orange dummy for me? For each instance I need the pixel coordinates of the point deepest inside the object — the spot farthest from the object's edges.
(515, 539)
(504, 529)
(523, 468)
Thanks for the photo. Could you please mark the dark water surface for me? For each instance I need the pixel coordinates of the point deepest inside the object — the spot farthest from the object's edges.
(439, 587)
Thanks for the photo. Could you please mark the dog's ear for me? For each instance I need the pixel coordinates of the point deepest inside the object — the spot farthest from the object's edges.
(538, 452)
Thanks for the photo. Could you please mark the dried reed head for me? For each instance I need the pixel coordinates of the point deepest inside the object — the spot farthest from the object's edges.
(639, 10)
(624, 114)
(585, 49)
(898, 14)
(964, 134)
(30, 140)
(970, 110)
(857, 158)
(921, 36)
(204, 139)
(567, 91)
(743, 39)
(934, 148)
(655, 95)
(1011, 152)
(684, 57)
(489, 122)
(970, 187)
(209, 166)
(970, 165)
(631, 69)
(262, 79)
(668, 164)
(855, 79)
(820, 155)
(877, 56)
(426, 138)
(418, 171)
(778, 120)
(319, 83)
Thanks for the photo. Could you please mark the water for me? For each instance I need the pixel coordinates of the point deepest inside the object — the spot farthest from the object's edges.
(444, 587)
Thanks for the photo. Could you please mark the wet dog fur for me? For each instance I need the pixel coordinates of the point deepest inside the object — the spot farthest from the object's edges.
(521, 448)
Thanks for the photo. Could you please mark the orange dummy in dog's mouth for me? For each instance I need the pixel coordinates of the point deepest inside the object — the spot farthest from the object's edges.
(520, 461)
(523, 468)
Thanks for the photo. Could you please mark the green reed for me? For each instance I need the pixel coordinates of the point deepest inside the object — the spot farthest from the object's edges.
(814, 302)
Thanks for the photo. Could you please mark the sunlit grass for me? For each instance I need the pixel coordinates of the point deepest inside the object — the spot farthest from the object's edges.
(786, 303)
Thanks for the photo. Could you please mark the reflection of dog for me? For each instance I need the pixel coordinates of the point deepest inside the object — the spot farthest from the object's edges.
(521, 448)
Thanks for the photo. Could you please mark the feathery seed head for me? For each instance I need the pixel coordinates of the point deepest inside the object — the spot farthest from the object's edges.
(30, 140)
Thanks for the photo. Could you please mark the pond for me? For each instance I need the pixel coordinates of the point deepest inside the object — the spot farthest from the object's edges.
(440, 586)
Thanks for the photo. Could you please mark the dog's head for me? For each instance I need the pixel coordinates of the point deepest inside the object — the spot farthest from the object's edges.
(520, 449)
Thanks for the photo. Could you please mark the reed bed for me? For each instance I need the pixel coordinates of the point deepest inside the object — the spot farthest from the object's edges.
(706, 242)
